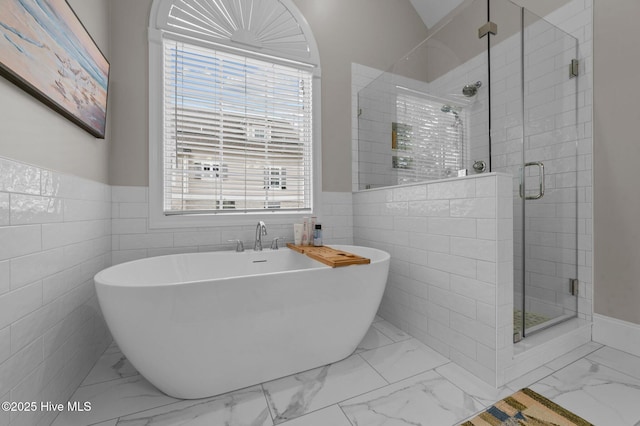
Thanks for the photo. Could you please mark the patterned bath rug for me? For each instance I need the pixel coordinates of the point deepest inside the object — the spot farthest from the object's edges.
(526, 408)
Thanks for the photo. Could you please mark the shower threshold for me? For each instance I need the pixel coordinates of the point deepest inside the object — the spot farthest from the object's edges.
(559, 328)
(550, 322)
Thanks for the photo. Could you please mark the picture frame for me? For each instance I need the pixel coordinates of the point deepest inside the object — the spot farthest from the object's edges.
(46, 51)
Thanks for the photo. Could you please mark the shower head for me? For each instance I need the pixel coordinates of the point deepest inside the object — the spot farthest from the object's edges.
(471, 89)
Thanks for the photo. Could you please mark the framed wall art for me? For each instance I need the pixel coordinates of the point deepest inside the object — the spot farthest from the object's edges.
(45, 50)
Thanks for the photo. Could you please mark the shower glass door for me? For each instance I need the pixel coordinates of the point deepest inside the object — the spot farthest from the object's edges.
(534, 138)
(550, 169)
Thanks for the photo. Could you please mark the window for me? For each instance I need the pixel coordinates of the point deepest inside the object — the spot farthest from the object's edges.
(430, 139)
(250, 114)
(206, 170)
(236, 107)
(275, 178)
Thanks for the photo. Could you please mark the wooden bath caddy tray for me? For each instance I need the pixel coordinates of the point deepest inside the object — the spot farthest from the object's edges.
(330, 256)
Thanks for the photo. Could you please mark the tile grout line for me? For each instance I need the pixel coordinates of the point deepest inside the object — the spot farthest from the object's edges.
(266, 400)
(553, 371)
(107, 381)
(374, 369)
(85, 377)
(605, 365)
(345, 414)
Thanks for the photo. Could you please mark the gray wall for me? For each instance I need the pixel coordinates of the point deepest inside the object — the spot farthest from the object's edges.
(33, 133)
(457, 33)
(371, 32)
(616, 153)
(129, 155)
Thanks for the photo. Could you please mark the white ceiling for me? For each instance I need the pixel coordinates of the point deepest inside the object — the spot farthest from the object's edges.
(432, 11)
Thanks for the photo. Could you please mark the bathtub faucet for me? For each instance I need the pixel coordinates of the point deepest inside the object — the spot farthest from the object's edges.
(261, 230)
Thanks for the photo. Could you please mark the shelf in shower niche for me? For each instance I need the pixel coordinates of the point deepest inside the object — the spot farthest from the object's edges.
(330, 256)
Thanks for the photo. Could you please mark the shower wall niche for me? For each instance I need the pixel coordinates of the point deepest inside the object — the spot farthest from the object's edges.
(509, 101)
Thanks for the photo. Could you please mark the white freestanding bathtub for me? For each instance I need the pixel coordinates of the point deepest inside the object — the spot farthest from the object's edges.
(202, 324)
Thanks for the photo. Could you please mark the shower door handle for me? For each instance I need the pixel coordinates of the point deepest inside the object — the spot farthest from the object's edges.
(540, 193)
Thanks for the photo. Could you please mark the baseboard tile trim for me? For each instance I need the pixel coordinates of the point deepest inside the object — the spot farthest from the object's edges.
(618, 334)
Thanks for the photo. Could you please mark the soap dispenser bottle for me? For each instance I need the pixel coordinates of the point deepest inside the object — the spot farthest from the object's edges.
(317, 235)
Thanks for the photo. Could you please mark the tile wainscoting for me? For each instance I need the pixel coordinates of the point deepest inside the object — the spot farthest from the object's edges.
(55, 234)
(451, 276)
(133, 239)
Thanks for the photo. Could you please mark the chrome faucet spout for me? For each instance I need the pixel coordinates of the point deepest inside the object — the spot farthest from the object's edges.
(261, 230)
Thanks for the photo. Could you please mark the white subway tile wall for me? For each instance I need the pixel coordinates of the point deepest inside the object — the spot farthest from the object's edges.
(132, 239)
(55, 234)
(450, 273)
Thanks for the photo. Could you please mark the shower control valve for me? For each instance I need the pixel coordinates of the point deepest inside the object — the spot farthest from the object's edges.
(479, 166)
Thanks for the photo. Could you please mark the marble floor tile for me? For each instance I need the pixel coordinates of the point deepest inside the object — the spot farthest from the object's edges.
(391, 331)
(403, 359)
(5, 416)
(112, 365)
(573, 356)
(296, 395)
(424, 400)
(113, 399)
(597, 393)
(598, 383)
(529, 378)
(617, 360)
(372, 340)
(480, 390)
(330, 416)
(244, 407)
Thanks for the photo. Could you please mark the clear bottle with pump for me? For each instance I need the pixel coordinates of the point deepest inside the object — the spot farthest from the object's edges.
(317, 235)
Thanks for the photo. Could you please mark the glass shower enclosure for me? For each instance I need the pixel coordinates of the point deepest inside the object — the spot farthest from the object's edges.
(477, 98)
(415, 122)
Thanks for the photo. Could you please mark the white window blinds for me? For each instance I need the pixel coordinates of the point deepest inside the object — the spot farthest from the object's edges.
(238, 132)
